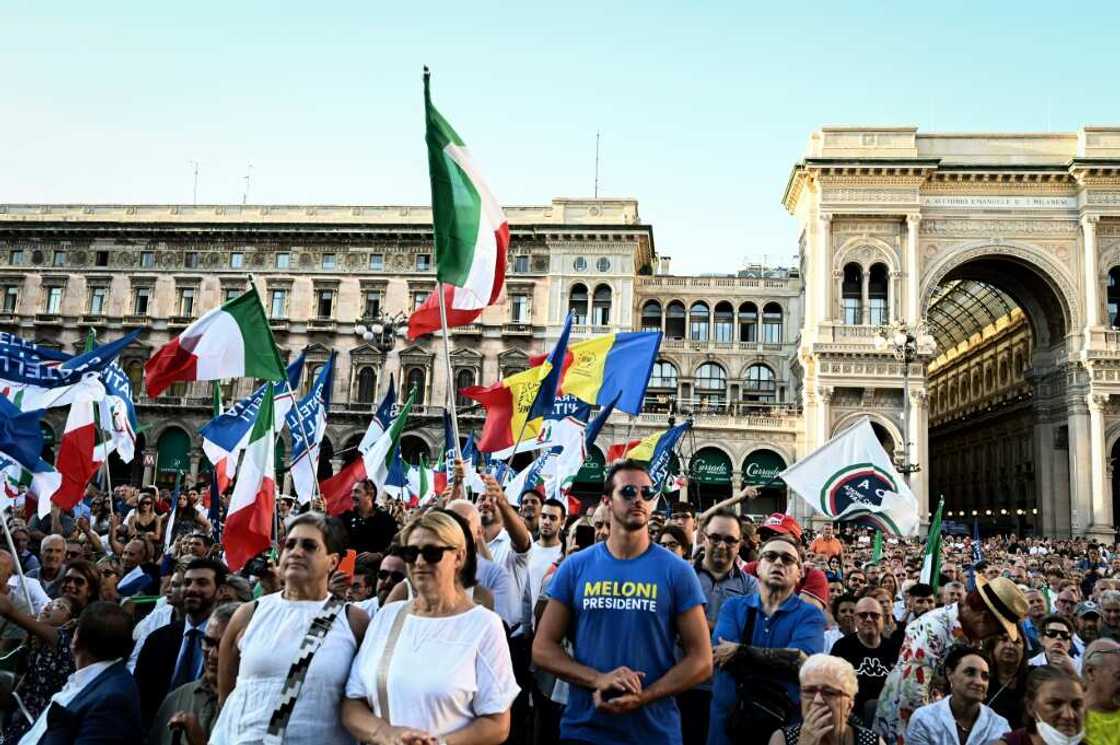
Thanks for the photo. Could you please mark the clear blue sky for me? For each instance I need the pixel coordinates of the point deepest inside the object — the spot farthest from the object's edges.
(702, 107)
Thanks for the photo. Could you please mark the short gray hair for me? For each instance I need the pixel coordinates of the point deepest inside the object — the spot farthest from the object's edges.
(1110, 595)
(1096, 651)
(836, 668)
(223, 613)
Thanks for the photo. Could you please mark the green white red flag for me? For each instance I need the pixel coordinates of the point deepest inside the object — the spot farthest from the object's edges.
(248, 528)
(232, 341)
(471, 233)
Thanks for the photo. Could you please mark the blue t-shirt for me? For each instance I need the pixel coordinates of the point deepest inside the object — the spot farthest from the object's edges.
(624, 614)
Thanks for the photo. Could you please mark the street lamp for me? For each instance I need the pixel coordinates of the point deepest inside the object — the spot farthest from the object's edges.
(907, 344)
(382, 331)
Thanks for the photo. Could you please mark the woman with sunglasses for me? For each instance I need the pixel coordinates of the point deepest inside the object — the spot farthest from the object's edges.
(395, 693)
(828, 686)
(110, 570)
(143, 519)
(265, 639)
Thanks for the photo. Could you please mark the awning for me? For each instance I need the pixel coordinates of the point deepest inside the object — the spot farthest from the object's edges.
(594, 468)
(174, 451)
(711, 466)
(761, 466)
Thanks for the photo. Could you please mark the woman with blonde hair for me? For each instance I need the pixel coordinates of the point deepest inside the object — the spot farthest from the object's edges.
(395, 694)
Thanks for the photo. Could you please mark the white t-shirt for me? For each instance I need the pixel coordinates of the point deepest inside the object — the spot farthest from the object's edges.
(39, 598)
(369, 606)
(541, 558)
(473, 675)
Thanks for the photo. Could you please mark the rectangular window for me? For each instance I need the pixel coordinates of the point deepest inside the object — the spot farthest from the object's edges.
(97, 298)
(54, 300)
(147, 259)
(377, 262)
(59, 258)
(186, 301)
(101, 258)
(329, 261)
(283, 260)
(419, 298)
(373, 304)
(423, 262)
(519, 308)
(15, 257)
(236, 260)
(190, 259)
(11, 298)
(278, 306)
(852, 311)
(878, 308)
(326, 304)
(521, 264)
(142, 301)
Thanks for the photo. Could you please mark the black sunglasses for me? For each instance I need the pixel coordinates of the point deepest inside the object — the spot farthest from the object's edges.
(432, 553)
(384, 574)
(629, 492)
(727, 540)
(1056, 634)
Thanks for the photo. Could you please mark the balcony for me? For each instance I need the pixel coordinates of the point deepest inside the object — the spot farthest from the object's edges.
(93, 319)
(50, 318)
(278, 324)
(9, 317)
(179, 321)
(135, 320)
(322, 324)
(517, 329)
(471, 329)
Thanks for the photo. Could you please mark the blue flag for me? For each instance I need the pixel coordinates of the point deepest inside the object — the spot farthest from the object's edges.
(470, 451)
(20, 435)
(396, 482)
(663, 454)
(600, 419)
(546, 393)
(27, 363)
(307, 423)
(385, 410)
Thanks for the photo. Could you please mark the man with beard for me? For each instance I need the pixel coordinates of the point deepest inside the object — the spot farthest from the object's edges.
(530, 511)
(624, 604)
(870, 654)
(507, 538)
(390, 573)
(371, 528)
(172, 655)
(547, 550)
(192, 708)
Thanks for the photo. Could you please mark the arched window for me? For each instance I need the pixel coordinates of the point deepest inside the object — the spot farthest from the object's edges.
(651, 316)
(772, 324)
(367, 385)
(759, 384)
(851, 294)
(1114, 297)
(748, 323)
(664, 375)
(415, 378)
(577, 304)
(674, 320)
(601, 306)
(724, 326)
(711, 385)
(463, 379)
(877, 289)
(698, 320)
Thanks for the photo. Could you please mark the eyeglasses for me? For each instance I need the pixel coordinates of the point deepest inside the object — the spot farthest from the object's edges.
(868, 615)
(724, 539)
(1057, 634)
(310, 545)
(432, 553)
(775, 557)
(629, 492)
(384, 574)
(824, 692)
(209, 644)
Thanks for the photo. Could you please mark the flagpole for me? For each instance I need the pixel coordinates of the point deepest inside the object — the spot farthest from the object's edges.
(450, 374)
(19, 567)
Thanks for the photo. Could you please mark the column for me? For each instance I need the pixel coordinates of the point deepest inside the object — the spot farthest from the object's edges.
(919, 445)
(821, 272)
(1092, 302)
(865, 298)
(1080, 466)
(1101, 525)
(913, 278)
(824, 413)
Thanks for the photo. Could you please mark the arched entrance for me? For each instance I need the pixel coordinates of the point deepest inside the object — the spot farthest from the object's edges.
(760, 469)
(412, 447)
(172, 455)
(999, 417)
(710, 470)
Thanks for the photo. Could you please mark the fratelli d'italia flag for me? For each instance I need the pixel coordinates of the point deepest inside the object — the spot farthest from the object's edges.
(232, 341)
(471, 233)
(248, 529)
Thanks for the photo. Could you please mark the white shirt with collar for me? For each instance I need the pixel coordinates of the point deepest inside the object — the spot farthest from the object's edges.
(160, 616)
(1040, 659)
(934, 724)
(187, 626)
(503, 554)
(75, 684)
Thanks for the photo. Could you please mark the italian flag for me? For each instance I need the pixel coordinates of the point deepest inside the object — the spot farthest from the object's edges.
(76, 460)
(248, 528)
(471, 233)
(232, 341)
(931, 561)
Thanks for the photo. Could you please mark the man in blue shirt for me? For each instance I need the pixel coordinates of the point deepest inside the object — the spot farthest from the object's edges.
(786, 630)
(624, 604)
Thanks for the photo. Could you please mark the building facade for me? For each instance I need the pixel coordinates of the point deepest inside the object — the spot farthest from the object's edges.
(1004, 249)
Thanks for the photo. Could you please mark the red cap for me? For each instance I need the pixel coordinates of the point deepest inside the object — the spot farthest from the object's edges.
(782, 523)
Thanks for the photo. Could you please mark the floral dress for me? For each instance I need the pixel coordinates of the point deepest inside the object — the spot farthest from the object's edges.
(927, 641)
(48, 668)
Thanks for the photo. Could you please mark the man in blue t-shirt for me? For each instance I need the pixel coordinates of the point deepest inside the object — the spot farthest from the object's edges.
(624, 604)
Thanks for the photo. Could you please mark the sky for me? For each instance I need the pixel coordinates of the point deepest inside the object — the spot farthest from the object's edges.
(702, 108)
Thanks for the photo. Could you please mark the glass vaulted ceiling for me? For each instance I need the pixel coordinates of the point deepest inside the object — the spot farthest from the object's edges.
(963, 307)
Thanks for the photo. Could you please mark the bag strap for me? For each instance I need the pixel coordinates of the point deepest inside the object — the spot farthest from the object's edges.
(313, 639)
(382, 676)
(748, 630)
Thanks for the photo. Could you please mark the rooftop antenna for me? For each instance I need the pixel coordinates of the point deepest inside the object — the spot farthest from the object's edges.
(245, 194)
(596, 164)
(194, 192)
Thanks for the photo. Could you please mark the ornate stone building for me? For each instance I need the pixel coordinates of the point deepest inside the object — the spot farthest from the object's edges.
(321, 271)
(1004, 248)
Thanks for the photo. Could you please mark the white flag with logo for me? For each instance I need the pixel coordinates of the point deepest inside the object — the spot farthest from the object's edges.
(851, 478)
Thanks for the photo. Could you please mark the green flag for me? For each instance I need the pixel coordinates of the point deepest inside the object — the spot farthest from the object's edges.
(931, 562)
(877, 547)
(91, 340)
(423, 476)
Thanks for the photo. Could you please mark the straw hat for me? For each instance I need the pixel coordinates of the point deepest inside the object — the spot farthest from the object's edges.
(1005, 601)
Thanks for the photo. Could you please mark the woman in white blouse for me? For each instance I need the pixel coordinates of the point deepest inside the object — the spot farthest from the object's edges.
(435, 669)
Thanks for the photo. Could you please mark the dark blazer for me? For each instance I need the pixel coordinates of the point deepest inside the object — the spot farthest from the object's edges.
(155, 666)
(106, 712)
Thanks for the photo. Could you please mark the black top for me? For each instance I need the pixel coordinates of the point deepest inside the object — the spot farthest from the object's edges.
(863, 736)
(872, 665)
(373, 533)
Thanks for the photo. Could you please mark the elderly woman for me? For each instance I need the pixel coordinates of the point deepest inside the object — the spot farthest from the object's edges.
(1055, 709)
(264, 652)
(395, 694)
(828, 690)
(962, 717)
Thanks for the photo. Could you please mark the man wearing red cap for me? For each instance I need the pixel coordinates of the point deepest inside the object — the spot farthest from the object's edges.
(813, 586)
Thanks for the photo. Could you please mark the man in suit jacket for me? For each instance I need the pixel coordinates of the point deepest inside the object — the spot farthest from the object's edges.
(172, 655)
(99, 703)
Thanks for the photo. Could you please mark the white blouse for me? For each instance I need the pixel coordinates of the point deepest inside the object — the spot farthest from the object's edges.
(444, 673)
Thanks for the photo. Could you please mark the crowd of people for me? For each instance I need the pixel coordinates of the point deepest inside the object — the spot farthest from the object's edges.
(474, 621)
